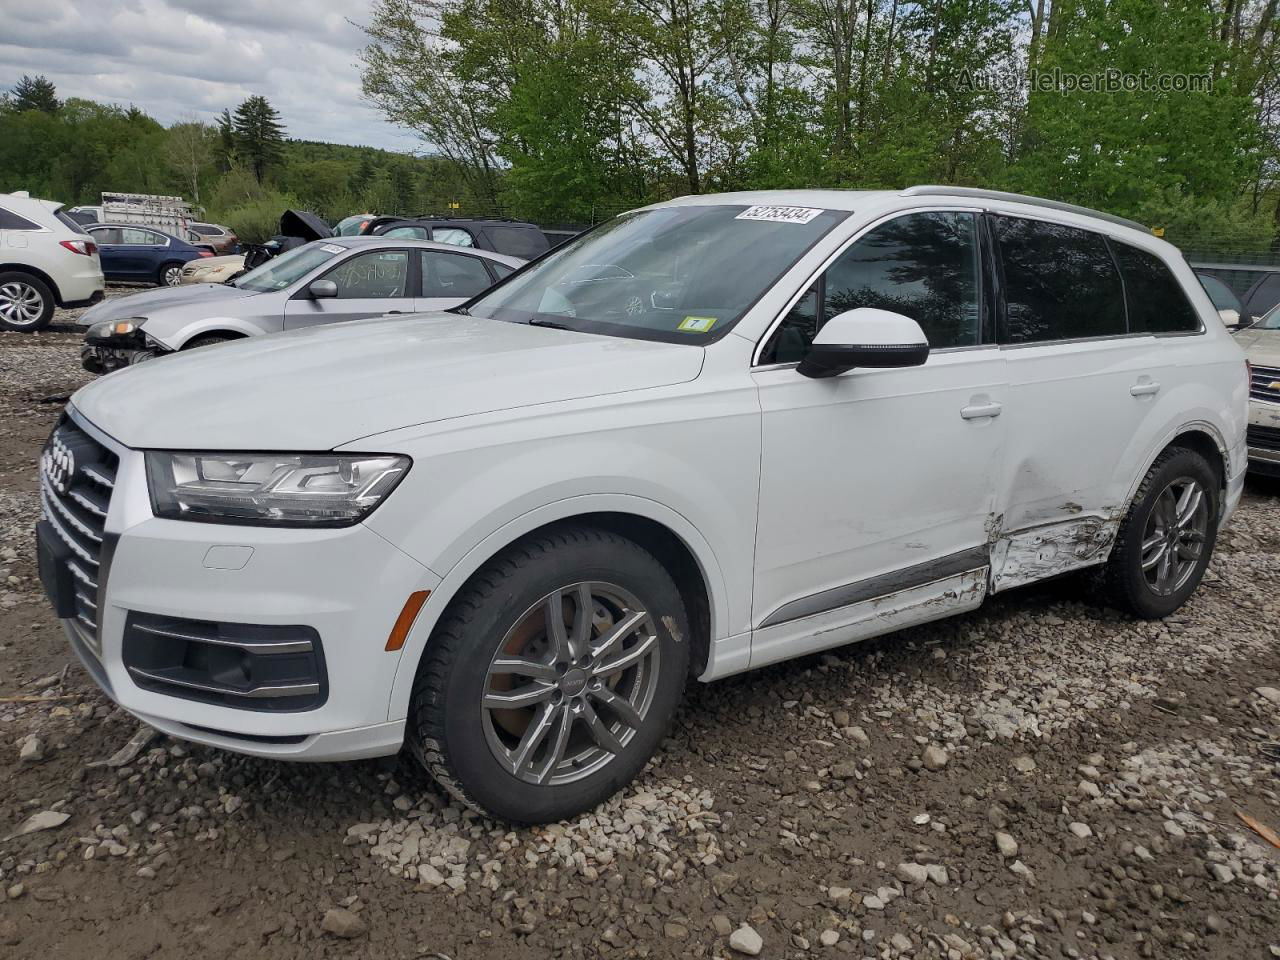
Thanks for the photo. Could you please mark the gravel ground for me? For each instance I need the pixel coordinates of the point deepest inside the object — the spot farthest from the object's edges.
(1040, 778)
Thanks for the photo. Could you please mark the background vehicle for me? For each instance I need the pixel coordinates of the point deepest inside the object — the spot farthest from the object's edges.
(142, 253)
(296, 228)
(1261, 344)
(710, 435)
(46, 261)
(221, 240)
(1224, 299)
(353, 225)
(512, 237)
(213, 269)
(1258, 287)
(169, 214)
(346, 278)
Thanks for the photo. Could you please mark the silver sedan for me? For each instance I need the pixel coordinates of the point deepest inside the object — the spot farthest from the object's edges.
(326, 281)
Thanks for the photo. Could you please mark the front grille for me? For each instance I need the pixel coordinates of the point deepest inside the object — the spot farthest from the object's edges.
(1264, 438)
(1265, 384)
(77, 476)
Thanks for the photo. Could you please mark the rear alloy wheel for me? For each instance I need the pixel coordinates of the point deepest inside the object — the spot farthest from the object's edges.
(26, 302)
(552, 677)
(1166, 540)
(170, 275)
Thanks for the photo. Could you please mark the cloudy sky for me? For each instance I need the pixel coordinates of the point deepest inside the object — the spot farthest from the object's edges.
(176, 58)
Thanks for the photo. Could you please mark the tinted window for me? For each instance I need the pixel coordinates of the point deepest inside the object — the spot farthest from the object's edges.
(453, 235)
(923, 265)
(11, 221)
(372, 275)
(501, 269)
(523, 242)
(1265, 296)
(69, 221)
(1219, 293)
(452, 275)
(105, 234)
(1156, 301)
(1060, 282)
(206, 230)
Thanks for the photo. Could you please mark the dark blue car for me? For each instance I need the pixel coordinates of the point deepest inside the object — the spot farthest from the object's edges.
(132, 252)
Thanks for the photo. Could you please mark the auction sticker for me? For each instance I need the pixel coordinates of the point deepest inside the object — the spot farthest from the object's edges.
(696, 324)
(779, 214)
(332, 248)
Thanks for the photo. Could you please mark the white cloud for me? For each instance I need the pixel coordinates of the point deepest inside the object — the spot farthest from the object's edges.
(175, 58)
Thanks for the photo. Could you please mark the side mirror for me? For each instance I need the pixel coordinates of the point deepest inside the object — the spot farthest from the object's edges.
(865, 337)
(322, 289)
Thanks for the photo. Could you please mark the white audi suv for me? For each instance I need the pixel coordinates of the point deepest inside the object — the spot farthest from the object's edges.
(706, 436)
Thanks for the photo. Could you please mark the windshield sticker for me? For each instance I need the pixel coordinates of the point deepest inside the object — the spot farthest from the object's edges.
(332, 248)
(696, 324)
(779, 214)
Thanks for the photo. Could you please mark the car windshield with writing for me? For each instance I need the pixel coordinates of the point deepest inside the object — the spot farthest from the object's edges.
(287, 268)
(682, 274)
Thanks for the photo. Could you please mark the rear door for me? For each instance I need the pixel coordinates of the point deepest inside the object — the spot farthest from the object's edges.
(449, 279)
(141, 252)
(1082, 388)
(111, 252)
(370, 283)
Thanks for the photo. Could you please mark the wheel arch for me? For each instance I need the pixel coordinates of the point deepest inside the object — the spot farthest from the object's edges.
(1203, 438)
(177, 339)
(39, 274)
(214, 332)
(674, 541)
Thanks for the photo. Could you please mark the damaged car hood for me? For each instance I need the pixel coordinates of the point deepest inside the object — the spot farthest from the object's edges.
(318, 388)
(150, 302)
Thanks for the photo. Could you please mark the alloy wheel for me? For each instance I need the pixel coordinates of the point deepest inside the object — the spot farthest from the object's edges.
(571, 683)
(1175, 535)
(20, 303)
(172, 276)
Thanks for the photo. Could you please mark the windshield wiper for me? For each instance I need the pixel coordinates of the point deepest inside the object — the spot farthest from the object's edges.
(460, 311)
(537, 322)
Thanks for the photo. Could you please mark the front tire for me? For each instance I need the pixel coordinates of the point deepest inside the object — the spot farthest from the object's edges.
(1166, 540)
(552, 677)
(26, 302)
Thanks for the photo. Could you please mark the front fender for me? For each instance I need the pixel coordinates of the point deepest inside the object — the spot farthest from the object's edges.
(176, 334)
(472, 558)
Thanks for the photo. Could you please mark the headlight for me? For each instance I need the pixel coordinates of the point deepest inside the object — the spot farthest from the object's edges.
(287, 490)
(116, 328)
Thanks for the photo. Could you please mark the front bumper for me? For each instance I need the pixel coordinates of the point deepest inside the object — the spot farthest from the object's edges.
(348, 585)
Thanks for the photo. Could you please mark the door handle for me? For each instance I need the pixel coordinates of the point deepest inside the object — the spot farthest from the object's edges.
(391, 313)
(981, 411)
(1145, 388)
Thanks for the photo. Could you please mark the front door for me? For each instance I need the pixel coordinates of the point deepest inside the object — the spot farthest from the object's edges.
(877, 486)
(369, 284)
(449, 279)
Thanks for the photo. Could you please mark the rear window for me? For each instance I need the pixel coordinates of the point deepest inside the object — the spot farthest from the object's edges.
(11, 221)
(523, 242)
(206, 230)
(1157, 303)
(1060, 282)
(75, 225)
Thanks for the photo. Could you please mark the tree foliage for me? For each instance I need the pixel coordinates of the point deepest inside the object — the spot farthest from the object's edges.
(257, 135)
(34, 93)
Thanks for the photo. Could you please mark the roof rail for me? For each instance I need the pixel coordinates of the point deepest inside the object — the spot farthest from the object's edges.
(934, 190)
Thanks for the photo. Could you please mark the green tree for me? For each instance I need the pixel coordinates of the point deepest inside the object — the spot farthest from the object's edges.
(224, 148)
(258, 135)
(35, 93)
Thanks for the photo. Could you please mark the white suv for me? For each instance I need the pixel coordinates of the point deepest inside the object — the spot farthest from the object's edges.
(704, 437)
(46, 260)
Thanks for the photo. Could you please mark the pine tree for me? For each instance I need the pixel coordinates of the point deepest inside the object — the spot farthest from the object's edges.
(258, 135)
(224, 150)
(35, 93)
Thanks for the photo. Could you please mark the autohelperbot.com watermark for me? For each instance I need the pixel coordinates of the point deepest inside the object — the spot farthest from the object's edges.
(1057, 80)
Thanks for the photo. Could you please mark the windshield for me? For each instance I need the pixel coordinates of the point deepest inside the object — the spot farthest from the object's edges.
(287, 268)
(680, 274)
(1270, 320)
(351, 226)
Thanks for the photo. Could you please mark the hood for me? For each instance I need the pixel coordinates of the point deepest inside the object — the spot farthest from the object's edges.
(150, 302)
(303, 223)
(321, 387)
(1260, 346)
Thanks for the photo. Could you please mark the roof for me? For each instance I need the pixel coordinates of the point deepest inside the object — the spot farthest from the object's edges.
(353, 243)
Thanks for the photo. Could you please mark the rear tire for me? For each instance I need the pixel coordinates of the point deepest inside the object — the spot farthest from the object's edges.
(26, 302)
(593, 698)
(1166, 540)
(170, 274)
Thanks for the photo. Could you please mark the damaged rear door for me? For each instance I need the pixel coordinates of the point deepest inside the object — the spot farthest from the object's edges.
(1081, 386)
